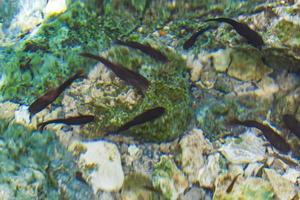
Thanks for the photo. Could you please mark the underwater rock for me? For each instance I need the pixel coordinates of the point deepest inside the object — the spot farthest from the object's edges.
(292, 175)
(168, 178)
(247, 64)
(288, 32)
(249, 188)
(22, 116)
(138, 187)
(209, 172)
(55, 7)
(195, 193)
(283, 188)
(114, 103)
(34, 165)
(221, 60)
(253, 168)
(102, 167)
(7, 110)
(248, 148)
(193, 147)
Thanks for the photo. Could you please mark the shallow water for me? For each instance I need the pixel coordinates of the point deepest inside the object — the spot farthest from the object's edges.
(154, 116)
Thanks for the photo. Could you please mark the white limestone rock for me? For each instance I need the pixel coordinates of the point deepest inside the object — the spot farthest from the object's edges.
(102, 165)
(193, 146)
(248, 148)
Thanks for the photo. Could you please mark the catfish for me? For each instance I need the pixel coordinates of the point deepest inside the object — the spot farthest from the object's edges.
(244, 30)
(42, 102)
(78, 120)
(191, 41)
(148, 115)
(274, 138)
(130, 77)
(155, 54)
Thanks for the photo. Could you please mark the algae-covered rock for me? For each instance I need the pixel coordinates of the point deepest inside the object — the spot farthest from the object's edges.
(114, 103)
(35, 166)
(288, 32)
(139, 187)
(168, 178)
(246, 189)
(247, 65)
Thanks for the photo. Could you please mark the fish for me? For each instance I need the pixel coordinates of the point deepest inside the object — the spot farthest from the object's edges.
(230, 187)
(292, 124)
(244, 30)
(142, 118)
(42, 102)
(191, 41)
(276, 140)
(130, 77)
(79, 177)
(78, 120)
(155, 54)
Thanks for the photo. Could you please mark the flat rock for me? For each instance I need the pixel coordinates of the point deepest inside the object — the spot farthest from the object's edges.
(248, 148)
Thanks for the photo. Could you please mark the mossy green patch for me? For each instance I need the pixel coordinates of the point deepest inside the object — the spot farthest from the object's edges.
(34, 165)
(169, 88)
(288, 32)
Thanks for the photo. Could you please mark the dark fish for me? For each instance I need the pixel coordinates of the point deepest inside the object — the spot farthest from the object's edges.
(50, 96)
(191, 41)
(127, 75)
(145, 49)
(230, 187)
(244, 30)
(78, 120)
(276, 140)
(146, 116)
(79, 177)
(292, 123)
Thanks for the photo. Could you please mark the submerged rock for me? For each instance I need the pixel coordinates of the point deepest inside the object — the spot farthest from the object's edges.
(247, 65)
(283, 188)
(139, 187)
(101, 162)
(168, 178)
(249, 188)
(209, 172)
(35, 166)
(248, 148)
(194, 146)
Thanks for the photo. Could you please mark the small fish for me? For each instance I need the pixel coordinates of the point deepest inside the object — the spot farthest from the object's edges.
(292, 123)
(244, 30)
(50, 96)
(79, 177)
(130, 77)
(230, 187)
(146, 116)
(78, 120)
(276, 140)
(191, 41)
(145, 49)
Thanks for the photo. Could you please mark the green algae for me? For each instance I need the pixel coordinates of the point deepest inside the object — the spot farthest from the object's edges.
(288, 33)
(34, 165)
(167, 178)
(169, 88)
